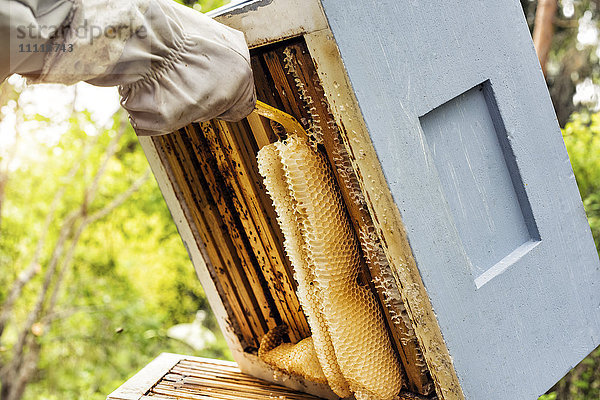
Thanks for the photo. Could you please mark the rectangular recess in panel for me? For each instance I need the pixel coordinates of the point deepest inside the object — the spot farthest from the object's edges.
(481, 182)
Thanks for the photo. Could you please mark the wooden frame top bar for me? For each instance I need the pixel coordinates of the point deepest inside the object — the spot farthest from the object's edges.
(175, 376)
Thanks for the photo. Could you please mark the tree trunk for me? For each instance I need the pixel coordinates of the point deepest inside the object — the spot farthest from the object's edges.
(17, 371)
(14, 385)
(544, 29)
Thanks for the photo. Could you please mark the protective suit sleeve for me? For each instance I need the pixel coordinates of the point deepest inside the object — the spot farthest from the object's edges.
(26, 27)
(173, 65)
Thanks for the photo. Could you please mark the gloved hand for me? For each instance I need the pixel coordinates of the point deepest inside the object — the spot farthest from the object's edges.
(173, 64)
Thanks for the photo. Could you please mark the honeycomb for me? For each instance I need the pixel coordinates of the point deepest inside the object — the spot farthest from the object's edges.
(372, 249)
(348, 332)
(376, 259)
(300, 358)
(271, 168)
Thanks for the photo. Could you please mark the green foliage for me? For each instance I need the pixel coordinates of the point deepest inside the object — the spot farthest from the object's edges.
(203, 5)
(131, 277)
(581, 383)
(582, 138)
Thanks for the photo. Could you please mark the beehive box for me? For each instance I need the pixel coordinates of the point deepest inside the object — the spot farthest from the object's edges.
(214, 167)
(438, 127)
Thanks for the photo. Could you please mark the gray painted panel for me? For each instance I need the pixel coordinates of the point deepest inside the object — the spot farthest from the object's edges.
(538, 312)
(477, 184)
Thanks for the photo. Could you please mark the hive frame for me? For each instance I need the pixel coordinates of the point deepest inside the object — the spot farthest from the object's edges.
(264, 22)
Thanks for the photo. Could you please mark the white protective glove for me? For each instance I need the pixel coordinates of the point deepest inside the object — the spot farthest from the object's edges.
(173, 65)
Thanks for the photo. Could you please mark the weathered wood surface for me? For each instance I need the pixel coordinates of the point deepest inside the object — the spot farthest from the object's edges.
(179, 377)
(248, 261)
(139, 384)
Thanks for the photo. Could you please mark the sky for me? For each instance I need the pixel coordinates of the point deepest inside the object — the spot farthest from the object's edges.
(55, 102)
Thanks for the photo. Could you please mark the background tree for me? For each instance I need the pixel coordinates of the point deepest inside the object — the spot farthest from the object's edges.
(571, 64)
(93, 272)
(566, 39)
(543, 29)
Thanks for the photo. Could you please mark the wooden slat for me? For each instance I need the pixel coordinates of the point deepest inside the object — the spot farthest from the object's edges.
(270, 256)
(201, 209)
(260, 128)
(221, 384)
(248, 273)
(286, 91)
(240, 154)
(219, 182)
(241, 270)
(265, 89)
(142, 382)
(210, 229)
(249, 149)
(208, 217)
(207, 380)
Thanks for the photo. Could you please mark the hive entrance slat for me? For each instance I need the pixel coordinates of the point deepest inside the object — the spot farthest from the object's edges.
(172, 376)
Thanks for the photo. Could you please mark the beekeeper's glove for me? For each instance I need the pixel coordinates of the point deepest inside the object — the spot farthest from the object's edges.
(173, 65)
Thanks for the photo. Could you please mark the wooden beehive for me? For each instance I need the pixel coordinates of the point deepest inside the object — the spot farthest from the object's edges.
(208, 174)
(437, 148)
(214, 167)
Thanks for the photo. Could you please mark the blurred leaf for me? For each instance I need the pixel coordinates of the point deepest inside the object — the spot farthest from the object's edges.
(131, 280)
